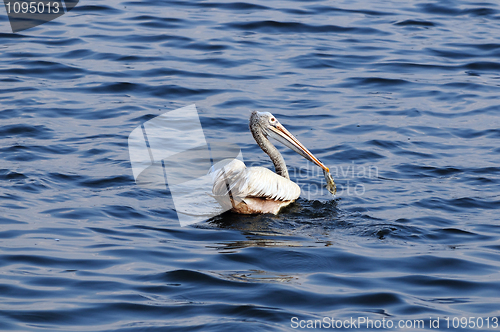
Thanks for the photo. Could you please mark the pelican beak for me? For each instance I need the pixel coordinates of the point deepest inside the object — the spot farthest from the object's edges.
(279, 133)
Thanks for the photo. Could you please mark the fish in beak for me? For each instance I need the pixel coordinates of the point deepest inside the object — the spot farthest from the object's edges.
(277, 131)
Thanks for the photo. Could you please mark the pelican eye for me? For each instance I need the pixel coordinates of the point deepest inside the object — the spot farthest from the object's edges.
(273, 120)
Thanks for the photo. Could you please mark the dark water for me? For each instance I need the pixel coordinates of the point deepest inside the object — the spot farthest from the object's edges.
(406, 94)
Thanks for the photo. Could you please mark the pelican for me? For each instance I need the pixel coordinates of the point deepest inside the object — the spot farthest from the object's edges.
(257, 190)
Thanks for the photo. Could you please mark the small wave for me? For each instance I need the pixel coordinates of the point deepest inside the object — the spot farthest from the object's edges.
(271, 26)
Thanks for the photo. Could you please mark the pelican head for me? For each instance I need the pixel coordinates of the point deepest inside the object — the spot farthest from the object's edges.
(271, 127)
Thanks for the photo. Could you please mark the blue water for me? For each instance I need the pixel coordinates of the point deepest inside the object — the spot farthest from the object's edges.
(405, 94)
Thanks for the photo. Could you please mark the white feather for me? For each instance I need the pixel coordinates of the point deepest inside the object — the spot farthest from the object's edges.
(235, 178)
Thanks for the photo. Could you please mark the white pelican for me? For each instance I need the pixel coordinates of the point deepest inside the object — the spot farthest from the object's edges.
(257, 189)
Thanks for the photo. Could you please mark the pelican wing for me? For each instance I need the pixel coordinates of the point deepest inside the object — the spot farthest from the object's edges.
(225, 174)
(262, 182)
(239, 181)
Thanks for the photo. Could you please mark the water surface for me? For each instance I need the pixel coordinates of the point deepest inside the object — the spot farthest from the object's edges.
(406, 94)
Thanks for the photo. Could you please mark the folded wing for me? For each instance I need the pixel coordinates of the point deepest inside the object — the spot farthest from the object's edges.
(235, 179)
